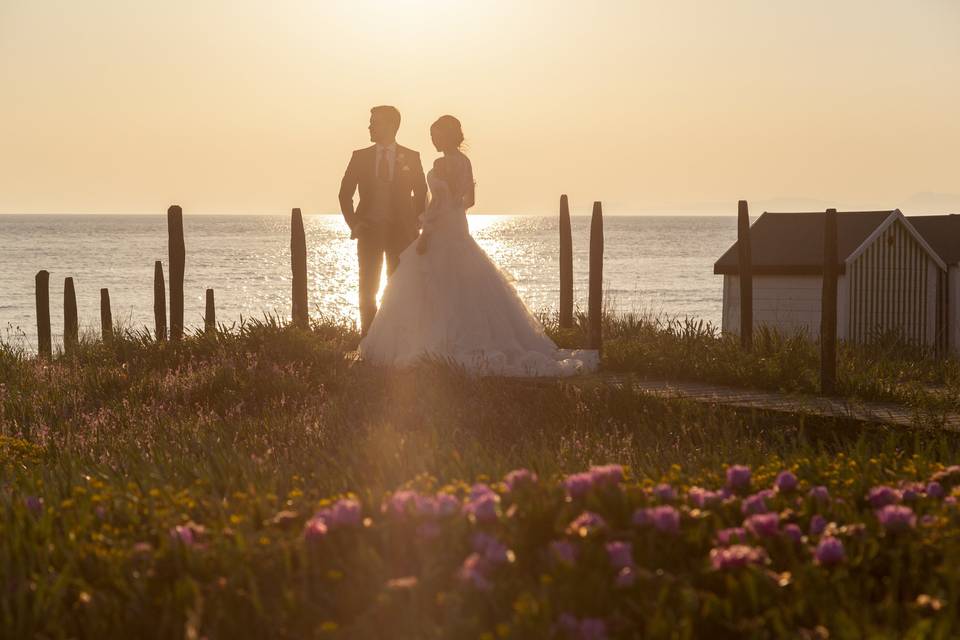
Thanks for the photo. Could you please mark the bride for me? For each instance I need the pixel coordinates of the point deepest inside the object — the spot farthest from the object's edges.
(448, 300)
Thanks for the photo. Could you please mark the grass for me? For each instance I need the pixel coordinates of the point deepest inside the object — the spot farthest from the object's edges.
(239, 438)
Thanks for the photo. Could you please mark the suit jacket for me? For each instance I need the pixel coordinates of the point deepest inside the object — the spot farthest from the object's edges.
(408, 194)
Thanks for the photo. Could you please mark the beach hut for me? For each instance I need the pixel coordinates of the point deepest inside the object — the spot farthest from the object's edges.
(896, 275)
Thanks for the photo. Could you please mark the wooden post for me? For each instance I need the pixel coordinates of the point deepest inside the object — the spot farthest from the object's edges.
(177, 257)
(828, 307)
(595, 301)
(298, 256)
(45, 346)
(71, 325)
(106, 317)
(566, 266)
(746, 275)
(210, 317)
(159, 301)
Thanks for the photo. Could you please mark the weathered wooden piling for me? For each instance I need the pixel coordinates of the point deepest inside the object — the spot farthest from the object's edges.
(595, 299)
(566, 265)
(828, 307)
(45, 344)
(71, 324)
(177, 258)
(106, 316)
(159, 301)
(298, 257)
(745, 267)
(210, 316)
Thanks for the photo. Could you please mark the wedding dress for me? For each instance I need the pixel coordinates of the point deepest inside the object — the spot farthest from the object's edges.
(454, 304)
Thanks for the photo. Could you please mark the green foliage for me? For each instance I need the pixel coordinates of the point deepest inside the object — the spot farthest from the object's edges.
(239, 438)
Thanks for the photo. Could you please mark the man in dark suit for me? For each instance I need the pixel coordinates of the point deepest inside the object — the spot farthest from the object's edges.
(393, 194)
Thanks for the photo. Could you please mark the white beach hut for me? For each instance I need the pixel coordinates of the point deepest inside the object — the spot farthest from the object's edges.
(896, 274)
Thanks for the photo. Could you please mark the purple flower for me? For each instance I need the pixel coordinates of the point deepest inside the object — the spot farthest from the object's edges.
(763, 525)
(664, 518)
(665, 492)
(400, 502)
(578, 485)
(492, 550)
(725, 537)
(607, 475)
(738, 555)
(950, 500)
(519, 478)
(882, 496)
(819, 493)
(793, 531)
(928, 520)
(829, 552)
(911, 491)
(896, 518)
(446, 504)
(935, 489)
(753, 504)
(817, 524)
(346, 512)
(34, 505)
(564, 551)
(483, 508)
(703, 498)
(786, 482)
(479, 490)
(183, 535)
(738, 477)
(586, 523)
(620, 554)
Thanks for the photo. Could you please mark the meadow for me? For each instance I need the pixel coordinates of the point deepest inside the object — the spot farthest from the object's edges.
(257, 483)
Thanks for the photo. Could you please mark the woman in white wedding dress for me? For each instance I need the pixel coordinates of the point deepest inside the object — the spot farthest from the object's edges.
(448, 300)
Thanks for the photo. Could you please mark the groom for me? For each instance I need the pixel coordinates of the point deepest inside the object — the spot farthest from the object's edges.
(393, 194)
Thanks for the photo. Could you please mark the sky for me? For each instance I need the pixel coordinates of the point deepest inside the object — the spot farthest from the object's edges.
(113, 106)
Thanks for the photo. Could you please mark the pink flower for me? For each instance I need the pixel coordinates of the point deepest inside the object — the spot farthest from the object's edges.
(817, 524)
(736, 556)
(586, 523)
(446, 504)
(492, 550)
(895, 518)
(608, 475)
(664, 518)
(703, 498)
(346, 512)
(473, 571)
(819, 493)
(829, 551)
(911, 491)
(620, 554)
(786, 482)
(738, 477)
(315, 530)
(400, 503)
(585, 629)
(665, 493)
(519, 478)
(882, 496)
(934, 489)
(731, 535)
(763, 525)
(753, 504)
(793, 531)
(482, 508)
(578, 485)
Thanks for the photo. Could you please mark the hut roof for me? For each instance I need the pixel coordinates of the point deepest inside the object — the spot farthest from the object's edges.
(792, 243)
(942, 233)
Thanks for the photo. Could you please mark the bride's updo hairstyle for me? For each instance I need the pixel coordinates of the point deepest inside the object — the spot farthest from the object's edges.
(447, 133)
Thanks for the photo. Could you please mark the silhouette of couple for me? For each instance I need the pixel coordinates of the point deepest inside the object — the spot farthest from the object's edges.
(444, 297)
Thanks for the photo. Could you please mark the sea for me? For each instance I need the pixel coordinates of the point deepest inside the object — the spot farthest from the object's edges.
(655, 265)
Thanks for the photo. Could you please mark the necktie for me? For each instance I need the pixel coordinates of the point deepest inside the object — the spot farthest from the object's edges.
(383, 170)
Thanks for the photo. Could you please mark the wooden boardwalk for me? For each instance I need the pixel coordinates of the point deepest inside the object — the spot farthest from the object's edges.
(872, 412)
